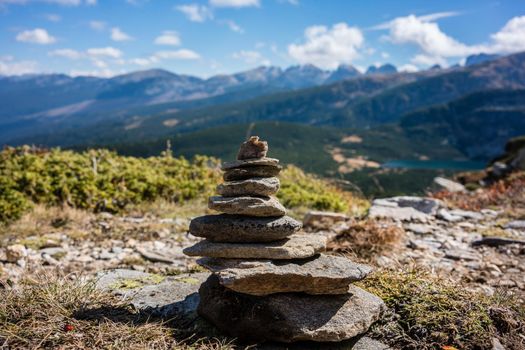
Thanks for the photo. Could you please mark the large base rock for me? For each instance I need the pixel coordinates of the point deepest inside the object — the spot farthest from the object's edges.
(288, 317)
(324, 274)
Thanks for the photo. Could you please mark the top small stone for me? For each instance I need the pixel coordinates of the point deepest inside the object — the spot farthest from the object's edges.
(253, 148)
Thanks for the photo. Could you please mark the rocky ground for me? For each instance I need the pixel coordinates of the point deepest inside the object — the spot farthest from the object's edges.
(482, 249)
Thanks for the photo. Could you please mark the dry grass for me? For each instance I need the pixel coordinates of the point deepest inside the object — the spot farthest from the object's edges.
(165, 209)
(50, 313)
(43, 219)
(431, 312)
(507, 194)
(38, 227)
(367, 238)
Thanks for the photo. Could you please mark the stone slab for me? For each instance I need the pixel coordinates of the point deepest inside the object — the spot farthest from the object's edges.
(322, 274)
(257, 186)
(253, 206)
(253, 171)
(249, 162)
(298, 246)
(240, 228)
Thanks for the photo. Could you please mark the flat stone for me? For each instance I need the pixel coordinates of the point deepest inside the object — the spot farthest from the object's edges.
(424, 205)
(250, 162)
(397, 214)
(323, 274)
(253, 206)
(257, 186)
(253, 171)
(298, 246)
(289, 317)
(467, 214)
(447, 216)
(516, 225)
(253, 148)
(420, 229)
(449, 185)
(239, 228)
(462, 254)
(168, 297)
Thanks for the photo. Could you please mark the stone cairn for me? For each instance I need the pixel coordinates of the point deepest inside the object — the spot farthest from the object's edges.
(269, 281)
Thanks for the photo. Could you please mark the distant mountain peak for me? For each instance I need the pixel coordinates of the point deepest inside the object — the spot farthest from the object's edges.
(479, 58)
(386, 68)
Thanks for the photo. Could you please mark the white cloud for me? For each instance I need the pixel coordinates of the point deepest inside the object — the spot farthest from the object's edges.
(195, 12)
(426, 18)
(511, 38)
(36, 36)
(435, 46)
(428, 60)
(385, 55)
(409, 68)
(182, 54)
(91, 2)
(234, 3)
(67, 53)
(233, 26)
(118, 35)
(328, 47)
(168, 38)
(251, 57)
(428, 37)
(109, 51)
(8, 66)
(97, 25)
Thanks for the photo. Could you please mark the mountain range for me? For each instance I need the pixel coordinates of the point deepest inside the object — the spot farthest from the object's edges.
(141, 107)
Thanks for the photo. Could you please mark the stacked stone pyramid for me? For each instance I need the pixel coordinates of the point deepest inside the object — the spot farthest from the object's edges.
(270, 281)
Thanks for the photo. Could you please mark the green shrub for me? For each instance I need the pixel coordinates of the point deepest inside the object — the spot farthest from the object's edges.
(101, 180)
(98, 179)
(299, 189)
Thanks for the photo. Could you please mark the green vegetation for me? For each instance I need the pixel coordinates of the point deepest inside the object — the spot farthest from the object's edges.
(301, 190)
(427, 312)
(100, 180)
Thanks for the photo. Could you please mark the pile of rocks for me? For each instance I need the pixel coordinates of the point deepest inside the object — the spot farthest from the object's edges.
(270, 281)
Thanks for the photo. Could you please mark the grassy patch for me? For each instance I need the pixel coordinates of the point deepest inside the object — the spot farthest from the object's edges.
(427, 312)
(299, 189)
(367, 238)
(64, 313)
(507, 195)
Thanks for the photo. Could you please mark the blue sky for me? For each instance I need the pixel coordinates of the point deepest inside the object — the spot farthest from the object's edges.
(204, 38)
